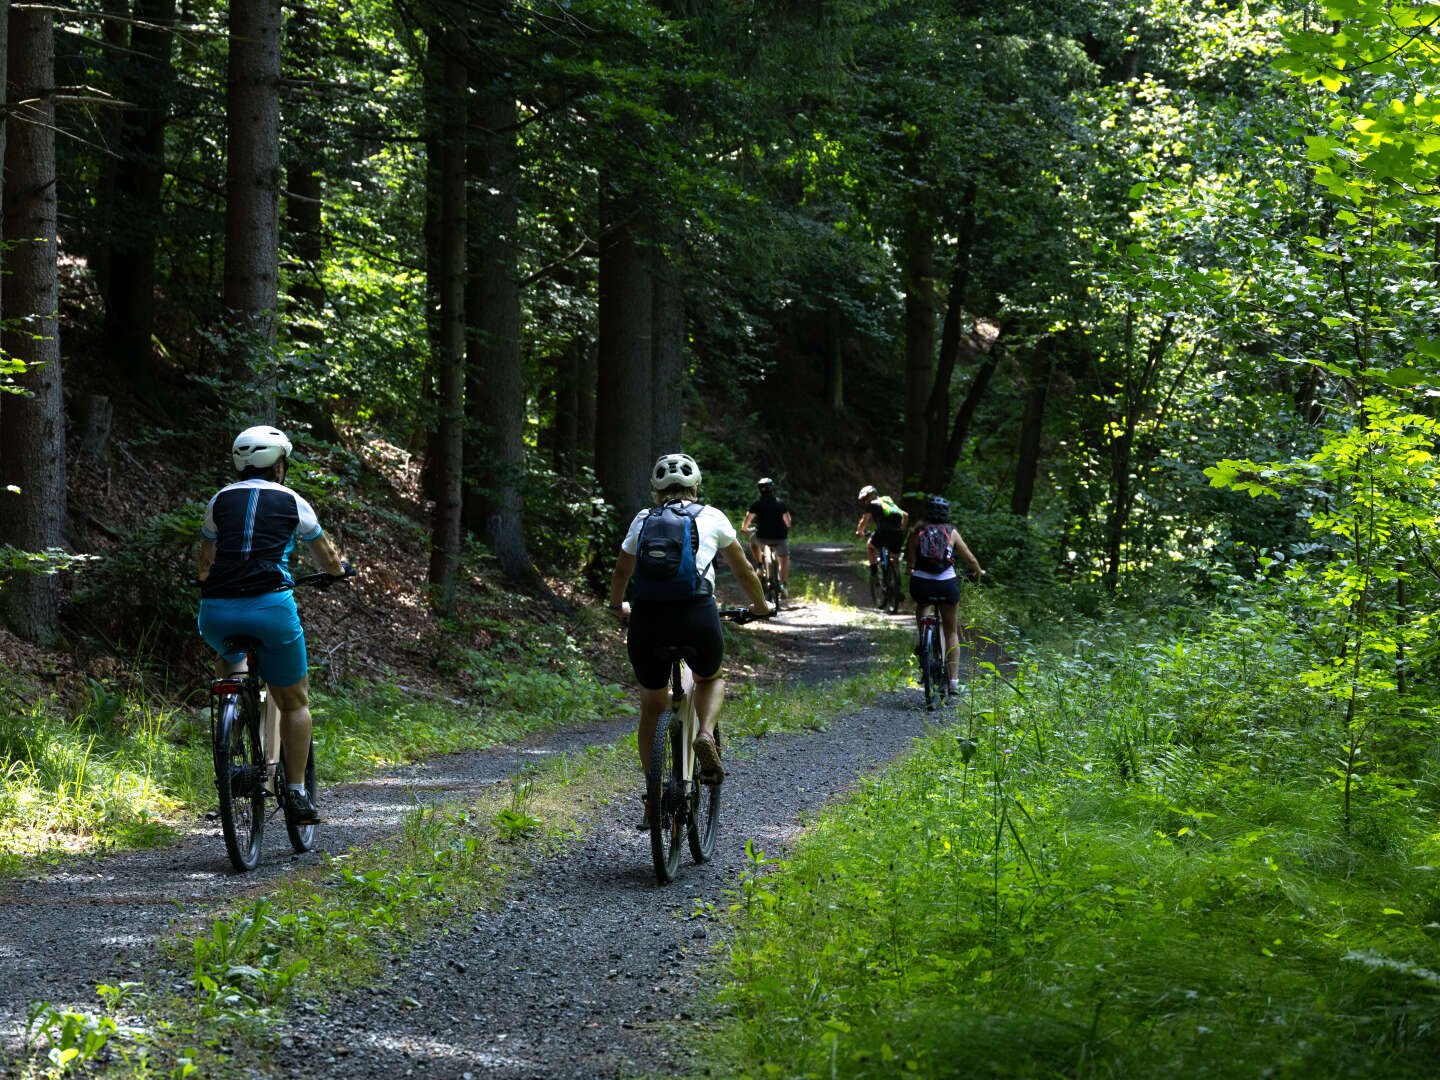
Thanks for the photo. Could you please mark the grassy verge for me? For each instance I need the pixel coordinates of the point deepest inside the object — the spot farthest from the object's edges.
(1126, 864)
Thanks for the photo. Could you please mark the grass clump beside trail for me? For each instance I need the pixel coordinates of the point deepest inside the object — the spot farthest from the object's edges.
(125, 765)
(1129, 864)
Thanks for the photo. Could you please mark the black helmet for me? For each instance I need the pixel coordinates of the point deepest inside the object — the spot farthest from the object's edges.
(765, 484)
(937, 509)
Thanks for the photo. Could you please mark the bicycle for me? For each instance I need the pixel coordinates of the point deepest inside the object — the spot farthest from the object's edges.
(681, 801)
(248, 770)
(934, 675)
(770, 576)
(885, 585)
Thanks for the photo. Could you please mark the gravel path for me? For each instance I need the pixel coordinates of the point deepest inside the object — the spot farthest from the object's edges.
(586, 970)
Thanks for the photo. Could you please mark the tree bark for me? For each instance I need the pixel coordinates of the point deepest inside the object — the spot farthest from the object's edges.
(623, 399)
(939, 466)
(919, 343)
(252, 187)
(447, 448)
(32, 435)
(495, 392)
(1032, 425)
(668, 343)
(130, 277)
(966, 413)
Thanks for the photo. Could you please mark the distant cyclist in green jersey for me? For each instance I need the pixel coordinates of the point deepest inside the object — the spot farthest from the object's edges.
(691, 620)
(890, 523)
(770, 518)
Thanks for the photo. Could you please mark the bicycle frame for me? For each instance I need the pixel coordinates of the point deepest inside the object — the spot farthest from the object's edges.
(682, 700)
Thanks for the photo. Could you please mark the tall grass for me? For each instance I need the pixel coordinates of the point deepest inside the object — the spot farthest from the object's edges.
(1126, 862)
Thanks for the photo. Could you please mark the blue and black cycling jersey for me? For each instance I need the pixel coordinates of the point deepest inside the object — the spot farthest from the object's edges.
(254, 524)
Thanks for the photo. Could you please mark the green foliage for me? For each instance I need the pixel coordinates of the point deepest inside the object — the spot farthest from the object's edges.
(1112, 859)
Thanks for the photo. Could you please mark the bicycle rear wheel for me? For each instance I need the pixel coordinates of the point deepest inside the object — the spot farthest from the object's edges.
(892, 587)
(667, 797)
(239, 767)
(704, 823)
(302, 837)
(927, 665)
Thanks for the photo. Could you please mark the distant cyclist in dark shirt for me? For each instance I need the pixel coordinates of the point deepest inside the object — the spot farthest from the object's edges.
(889, 520)
(245, 586)
(770, 518)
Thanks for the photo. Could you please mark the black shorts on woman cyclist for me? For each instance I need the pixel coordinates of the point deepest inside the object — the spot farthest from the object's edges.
(250, 529)
(680, 611)
(930, 553)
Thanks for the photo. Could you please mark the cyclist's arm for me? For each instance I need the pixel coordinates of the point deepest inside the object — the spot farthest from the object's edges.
(326, 555)
(904, 520)
(624, 567)
(745, 574)
(749, 518)
(911, 542)
(964, 552)
(786, 518)
(860, 526)
(207, 558)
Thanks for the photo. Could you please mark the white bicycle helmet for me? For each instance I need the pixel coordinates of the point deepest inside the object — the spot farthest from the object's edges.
(867, 492)
(674, 471)
(259, 447)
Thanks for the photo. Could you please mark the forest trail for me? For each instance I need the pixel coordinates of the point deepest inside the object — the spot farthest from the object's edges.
(563, 977)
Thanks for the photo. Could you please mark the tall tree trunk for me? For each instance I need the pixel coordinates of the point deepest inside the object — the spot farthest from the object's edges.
(938, 467)
(624, 422)
(834, 359)
(32, 433)
(965, 415)
(1039, 365)
(495, 391)
(668, 343)
(130, 276)
(447, 448)
(919, 342)
(252, 187)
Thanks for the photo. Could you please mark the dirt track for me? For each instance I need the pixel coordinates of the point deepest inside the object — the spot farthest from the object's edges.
(588, 969)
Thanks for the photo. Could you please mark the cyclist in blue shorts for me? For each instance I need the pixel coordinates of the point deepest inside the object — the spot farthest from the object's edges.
(245, 586)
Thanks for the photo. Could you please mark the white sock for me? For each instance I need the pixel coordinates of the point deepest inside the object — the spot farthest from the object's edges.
(298, 789)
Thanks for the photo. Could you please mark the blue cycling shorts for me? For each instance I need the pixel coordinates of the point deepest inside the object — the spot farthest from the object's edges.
(272, 619)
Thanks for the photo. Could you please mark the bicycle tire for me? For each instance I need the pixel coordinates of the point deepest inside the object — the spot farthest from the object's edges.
(302, 837)
(662, 788)
(772, 582)
(242, 797)
(704, 817)
(892, 588)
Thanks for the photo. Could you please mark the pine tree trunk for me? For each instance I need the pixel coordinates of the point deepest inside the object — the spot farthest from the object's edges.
(252, 186)
(623, 399)
(32, 430)
(1032, 425)
(668, 345)
(130, 277)
(448, 446)
(919, 344)
(495, 392)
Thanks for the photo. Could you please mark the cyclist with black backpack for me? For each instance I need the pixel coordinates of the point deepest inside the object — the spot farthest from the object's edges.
(930, 553)
(669, 551)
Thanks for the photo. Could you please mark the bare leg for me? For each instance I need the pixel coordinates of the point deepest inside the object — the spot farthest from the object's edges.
(952, 640)
(270, 739)
(652, 704)
(709, 696)
(785, 569)
(872, 554)
(295, 727)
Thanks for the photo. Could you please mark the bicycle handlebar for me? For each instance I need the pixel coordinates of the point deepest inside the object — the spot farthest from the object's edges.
(321, 580)
(741, 615)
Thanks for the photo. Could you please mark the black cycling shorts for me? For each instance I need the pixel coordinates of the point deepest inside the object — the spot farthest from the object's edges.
(930, 591)
(694, 625)
(890, 539)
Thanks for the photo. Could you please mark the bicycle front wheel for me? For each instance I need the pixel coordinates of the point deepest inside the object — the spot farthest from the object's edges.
(704, 817)
(664, 790)
(239, 769)
(302, 837)
(927, 665)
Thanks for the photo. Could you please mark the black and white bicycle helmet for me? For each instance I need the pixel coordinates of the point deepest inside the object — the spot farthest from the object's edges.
(867, 493)
(674, 471)
(937, 509)
(766, 485)
(259, 447)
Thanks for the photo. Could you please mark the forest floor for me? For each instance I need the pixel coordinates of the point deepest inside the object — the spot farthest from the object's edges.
(585, 967)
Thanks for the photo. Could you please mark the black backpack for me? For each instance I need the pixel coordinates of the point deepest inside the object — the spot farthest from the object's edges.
(666, 568)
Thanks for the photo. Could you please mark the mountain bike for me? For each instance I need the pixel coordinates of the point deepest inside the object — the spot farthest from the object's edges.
(682, 802)
(770, 576)
(934, 676)
(885, 585)
(249, 755)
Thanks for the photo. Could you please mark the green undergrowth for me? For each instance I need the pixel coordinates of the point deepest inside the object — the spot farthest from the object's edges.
(1127, 862)
(211, 1006)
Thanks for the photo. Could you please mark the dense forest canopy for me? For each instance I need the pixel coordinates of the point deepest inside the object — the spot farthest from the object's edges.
(1093, 269)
